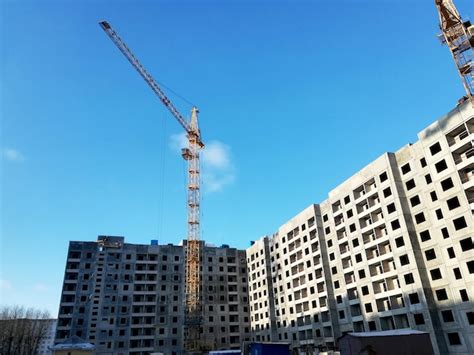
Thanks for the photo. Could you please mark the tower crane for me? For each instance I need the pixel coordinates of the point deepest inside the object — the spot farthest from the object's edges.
(193, 306)
(458, 35)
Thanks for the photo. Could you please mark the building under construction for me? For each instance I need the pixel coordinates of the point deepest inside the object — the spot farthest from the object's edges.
(129, 298)
(391, 248)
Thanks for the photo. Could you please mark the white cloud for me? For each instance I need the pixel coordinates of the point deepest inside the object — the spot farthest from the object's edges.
(215, 181)
(5, 285)
(40, 287)
(13, 154)
(216, 155)
(217, 170)
(178, 141)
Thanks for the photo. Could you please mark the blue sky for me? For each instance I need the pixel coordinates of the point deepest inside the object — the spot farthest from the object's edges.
(295, 97)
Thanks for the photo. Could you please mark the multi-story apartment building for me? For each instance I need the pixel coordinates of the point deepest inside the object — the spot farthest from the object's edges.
(129, 299)
(260, 285)
(48, 339)
(391, 248)
(226, 308)
(295, 261)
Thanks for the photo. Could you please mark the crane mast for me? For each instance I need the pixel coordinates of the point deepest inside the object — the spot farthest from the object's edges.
(193, 316)
(458, 35)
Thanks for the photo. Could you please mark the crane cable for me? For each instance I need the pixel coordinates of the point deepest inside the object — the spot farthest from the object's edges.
(176, 93)
(161, 178)
(162, 168)
(184, 172)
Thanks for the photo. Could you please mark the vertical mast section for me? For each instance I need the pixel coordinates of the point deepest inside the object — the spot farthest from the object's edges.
(459, 37)
(193, 292)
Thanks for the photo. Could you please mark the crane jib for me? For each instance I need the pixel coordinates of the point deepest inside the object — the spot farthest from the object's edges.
(145, 75)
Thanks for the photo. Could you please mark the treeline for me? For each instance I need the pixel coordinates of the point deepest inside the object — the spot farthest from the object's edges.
(22, 329)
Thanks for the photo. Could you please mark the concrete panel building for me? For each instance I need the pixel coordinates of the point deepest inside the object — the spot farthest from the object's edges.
(262, 302)
(391, 248)
(48, 339)
(225, 296)
(129, 298)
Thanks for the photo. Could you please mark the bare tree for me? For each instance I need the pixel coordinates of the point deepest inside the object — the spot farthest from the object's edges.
(22, 329)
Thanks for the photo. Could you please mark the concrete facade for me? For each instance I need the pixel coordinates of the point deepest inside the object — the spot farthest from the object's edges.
(48, 339)
(129, 299)
(391, 248)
